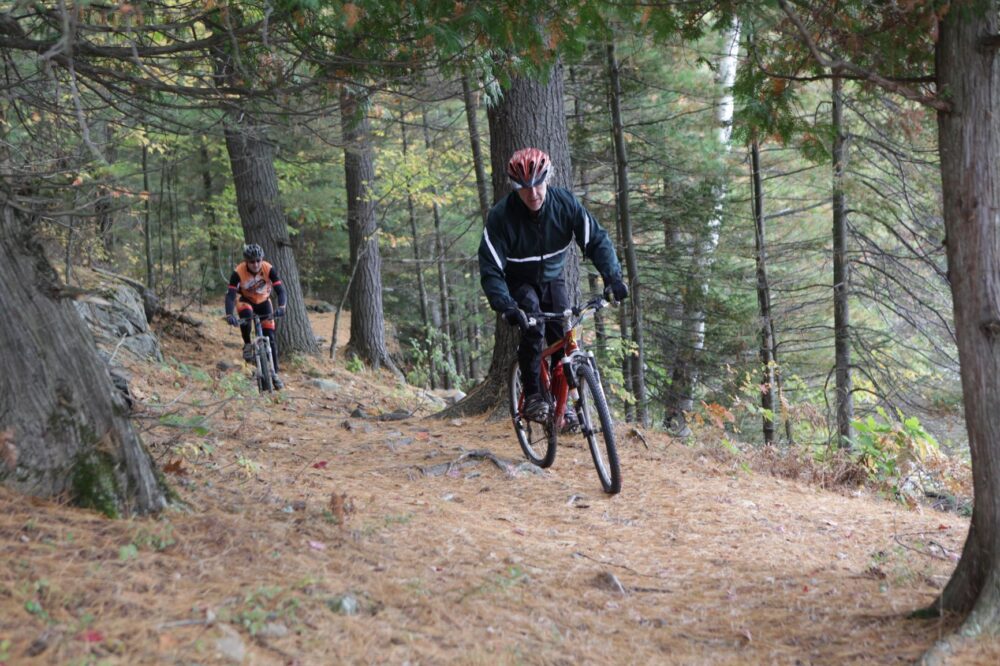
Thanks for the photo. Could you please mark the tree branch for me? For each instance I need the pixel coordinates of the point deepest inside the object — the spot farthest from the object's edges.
(892, 86)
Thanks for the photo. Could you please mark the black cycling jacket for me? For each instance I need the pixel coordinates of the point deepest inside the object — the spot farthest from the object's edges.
(518, 247)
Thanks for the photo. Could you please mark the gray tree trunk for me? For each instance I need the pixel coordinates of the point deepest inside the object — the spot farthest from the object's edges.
(531, 113)
(62, 430)
(476, 144)
(147, 233)
(634, 302)
(968, 77)
(768, 384)
(251, 156)
(841, 276)
(367, 317)
(444, 298)
(419, 266)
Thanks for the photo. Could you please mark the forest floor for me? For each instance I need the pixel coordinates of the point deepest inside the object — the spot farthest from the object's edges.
(305, 535)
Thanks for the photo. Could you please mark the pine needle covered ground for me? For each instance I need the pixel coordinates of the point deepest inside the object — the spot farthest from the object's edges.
(306, 535)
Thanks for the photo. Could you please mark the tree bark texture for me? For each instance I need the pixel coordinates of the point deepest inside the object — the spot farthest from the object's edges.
(969, 145)
(418, 264)
(841, 276)
(367, 339)
(251, 156)
(768, 387)
(634, 303)
(444, 297)
(475, 143)
(64, 430)
(530, 113)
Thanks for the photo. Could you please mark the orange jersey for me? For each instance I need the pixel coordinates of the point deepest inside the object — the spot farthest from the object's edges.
(254, 287)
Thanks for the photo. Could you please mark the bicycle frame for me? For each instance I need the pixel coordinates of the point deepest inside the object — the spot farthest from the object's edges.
(573, 383)
(262, 352)
(559, 381)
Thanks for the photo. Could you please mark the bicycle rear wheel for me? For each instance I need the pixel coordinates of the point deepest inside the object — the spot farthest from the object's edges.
(264, 374)
(597, 426)
(537, 440)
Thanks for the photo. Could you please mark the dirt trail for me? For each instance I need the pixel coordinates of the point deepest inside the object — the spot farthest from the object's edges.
(312, 537)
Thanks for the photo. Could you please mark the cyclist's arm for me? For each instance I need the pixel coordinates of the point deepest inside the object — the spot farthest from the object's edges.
(279, 289)
(492, 260)
(595, 243)
(234, 283)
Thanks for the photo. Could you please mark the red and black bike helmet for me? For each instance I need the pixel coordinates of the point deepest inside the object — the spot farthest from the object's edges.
(528, 167)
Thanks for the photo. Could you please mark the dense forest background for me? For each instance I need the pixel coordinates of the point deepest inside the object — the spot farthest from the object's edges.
(137, 179)
(804, 196)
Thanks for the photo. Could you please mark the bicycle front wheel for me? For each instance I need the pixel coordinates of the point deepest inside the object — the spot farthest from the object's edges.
(597, 426)
(264, 373)
(537, 440)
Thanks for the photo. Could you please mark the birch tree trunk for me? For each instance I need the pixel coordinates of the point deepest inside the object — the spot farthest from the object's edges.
(680, 396)
(841, 275)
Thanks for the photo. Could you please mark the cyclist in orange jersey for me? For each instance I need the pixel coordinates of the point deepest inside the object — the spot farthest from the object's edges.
(252, 281)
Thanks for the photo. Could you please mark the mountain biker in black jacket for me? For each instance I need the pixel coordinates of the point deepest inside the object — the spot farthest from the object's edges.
(527, 238)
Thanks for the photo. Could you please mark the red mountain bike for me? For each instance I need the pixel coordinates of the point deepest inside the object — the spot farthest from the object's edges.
(575, 383)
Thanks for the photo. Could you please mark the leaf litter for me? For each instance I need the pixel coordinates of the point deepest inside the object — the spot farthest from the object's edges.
(698, 561)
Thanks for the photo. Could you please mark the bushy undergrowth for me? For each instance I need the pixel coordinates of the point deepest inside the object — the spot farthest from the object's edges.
(892, 455)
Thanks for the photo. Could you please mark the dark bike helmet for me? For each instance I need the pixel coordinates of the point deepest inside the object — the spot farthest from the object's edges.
(253, 252)
(528, 167)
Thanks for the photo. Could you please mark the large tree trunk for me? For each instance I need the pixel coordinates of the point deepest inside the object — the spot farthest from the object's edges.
(530, 113)
(62, 432)
(367, 339)
(841, 276)
(251, 155)
(628, 243)
(969, 145)
(768, 387)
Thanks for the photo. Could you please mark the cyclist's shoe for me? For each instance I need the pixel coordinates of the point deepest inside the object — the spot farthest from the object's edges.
(248, 352)
(278, 384)
(570, 422)
(536, 408)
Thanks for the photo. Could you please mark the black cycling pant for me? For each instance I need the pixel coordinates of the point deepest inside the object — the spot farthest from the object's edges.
(546, 297)
(263, 309)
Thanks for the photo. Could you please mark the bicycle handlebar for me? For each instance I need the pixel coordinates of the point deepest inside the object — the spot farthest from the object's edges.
(273, 315)
(578, 311)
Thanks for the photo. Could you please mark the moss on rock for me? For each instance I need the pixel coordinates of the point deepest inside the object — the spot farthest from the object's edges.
(95, 485)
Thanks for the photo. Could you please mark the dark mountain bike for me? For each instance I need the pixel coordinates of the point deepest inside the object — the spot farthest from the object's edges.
(261, 349)
(574, 384)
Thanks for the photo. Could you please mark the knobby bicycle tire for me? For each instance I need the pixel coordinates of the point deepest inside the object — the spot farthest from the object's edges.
(537, 440)
(601, 441)
(264, 374)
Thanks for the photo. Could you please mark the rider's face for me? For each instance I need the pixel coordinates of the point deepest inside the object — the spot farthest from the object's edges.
(254, 264)
(533, 197)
